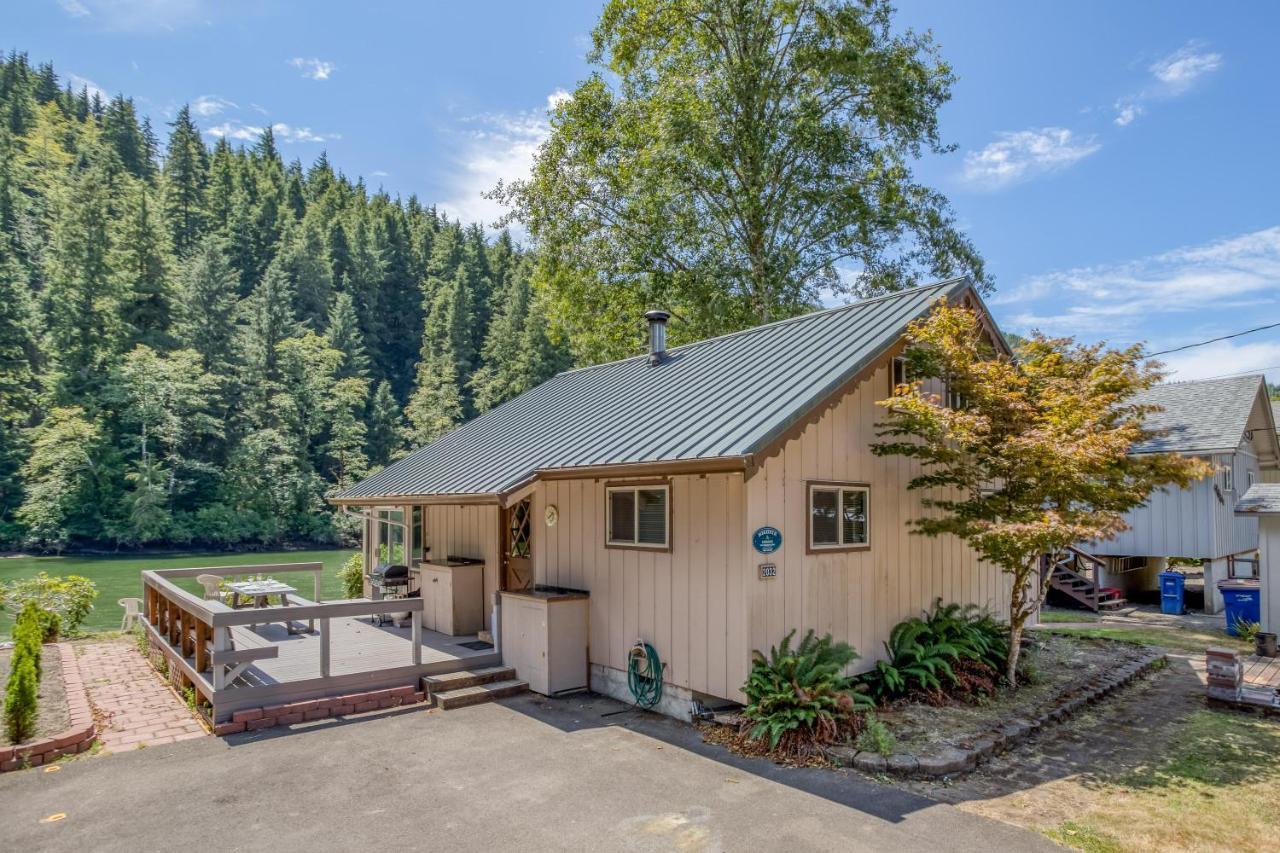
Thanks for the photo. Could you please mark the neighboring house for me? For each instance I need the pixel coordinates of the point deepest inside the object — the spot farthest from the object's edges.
(1261, 504)
(1273, 475)
(1229, 423)
(647, 483)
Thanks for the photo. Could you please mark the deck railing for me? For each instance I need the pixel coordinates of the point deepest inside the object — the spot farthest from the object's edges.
(197, 631)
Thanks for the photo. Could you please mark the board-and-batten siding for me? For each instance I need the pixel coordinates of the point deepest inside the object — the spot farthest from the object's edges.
(857, 596)
(466, 531)
(703, 606)
(1269, 556)
(1193, 522)
(688, 603)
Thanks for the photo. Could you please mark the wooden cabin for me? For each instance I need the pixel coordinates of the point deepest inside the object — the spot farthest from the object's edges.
(706, 500)
(1229, 423)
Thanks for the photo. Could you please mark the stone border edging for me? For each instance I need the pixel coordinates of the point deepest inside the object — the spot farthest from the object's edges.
(253, 719)
(952, 759)
(79, 737)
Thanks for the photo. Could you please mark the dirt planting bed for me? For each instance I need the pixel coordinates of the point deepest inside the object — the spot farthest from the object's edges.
(54, 716)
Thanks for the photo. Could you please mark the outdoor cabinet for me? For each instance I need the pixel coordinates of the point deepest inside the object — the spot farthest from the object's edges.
(452, 598)
(544, 638)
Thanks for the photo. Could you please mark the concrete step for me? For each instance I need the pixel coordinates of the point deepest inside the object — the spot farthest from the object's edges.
(462, 697)
(433, 684)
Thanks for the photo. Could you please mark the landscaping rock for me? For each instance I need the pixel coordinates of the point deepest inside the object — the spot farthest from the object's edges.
(870, 762)
(841, 755)
(945, 761)
(902, 764)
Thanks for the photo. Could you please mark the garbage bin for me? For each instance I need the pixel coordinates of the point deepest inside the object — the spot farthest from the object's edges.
(1172, 585)
(1243, 602)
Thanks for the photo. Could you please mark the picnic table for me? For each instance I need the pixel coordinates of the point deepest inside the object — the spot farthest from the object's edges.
(256, 593)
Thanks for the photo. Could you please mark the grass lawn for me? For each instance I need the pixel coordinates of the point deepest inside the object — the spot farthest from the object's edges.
(118, 577)
(1049, 616)
(1175, 639)
(1216, 788)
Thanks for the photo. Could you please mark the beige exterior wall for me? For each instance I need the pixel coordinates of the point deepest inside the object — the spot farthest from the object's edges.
(857, 596)
(1269, 572)
(466, 531)
(688, 603)
(703, 606)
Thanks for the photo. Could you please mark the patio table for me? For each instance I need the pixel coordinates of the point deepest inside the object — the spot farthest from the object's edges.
(258, 591)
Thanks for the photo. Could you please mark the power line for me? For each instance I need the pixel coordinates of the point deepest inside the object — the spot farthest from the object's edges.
(1214, 340)
(1230, 375)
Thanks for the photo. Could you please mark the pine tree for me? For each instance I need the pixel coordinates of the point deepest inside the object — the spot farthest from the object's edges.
(386, 426)
(141, 265)
(82, 300)
(303, 257)
(186, 172)
(206, 310)
(435, 407)
(268, 319)
(121, 132)
(343, 334)
(220, 194)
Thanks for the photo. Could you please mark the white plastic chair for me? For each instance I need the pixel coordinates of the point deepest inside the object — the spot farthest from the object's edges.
(212, 586)
(132, 614)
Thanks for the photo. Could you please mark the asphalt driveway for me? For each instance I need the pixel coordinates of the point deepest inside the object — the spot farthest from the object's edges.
(527, 774)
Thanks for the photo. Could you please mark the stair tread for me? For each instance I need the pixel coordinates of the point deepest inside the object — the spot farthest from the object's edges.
(444, 679)
(476, 689)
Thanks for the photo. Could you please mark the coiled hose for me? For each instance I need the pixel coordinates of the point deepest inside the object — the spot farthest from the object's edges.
(644, 674)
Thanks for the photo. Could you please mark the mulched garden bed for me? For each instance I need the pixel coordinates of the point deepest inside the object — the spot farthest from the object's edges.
(1059, 663)
(54, 716)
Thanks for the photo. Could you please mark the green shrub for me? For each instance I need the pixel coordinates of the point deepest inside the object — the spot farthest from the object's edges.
(875, 736)
(22, 690)
(70, 598)
(950, 648)
(801, 696)
(352, 575)
(1247, 630)
(20, 697)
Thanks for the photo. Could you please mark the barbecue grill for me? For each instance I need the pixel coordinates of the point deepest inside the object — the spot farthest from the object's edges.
(388, 581)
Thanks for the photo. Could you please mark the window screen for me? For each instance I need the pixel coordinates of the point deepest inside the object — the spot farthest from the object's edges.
(651, 514)
(639, 516)
(622, 515)
(823, 511)
(838, 516)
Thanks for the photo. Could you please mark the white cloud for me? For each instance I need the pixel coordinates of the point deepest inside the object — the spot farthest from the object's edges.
(1224, 358)
(211, 105)
(378, 173)
(315, 69)
(1126, 111)
(497, 147)
(1179, 70)
(1019, 155)
(78, 83)
(1150, 296)
(283, 132)
(74, 8)
(137, 15)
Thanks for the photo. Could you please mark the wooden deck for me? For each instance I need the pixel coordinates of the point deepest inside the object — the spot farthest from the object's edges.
(1261, 672)
(358, 647)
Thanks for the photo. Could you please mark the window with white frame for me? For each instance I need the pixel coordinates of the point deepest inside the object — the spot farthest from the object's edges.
(639, 516)
(838, 516)
(1229, 475)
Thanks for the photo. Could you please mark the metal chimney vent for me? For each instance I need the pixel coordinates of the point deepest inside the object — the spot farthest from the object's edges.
(657, 334)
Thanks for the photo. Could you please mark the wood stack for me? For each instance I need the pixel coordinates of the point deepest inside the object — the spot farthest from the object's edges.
(1226, 675)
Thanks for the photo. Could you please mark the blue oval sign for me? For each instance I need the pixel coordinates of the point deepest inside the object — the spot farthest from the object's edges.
(766, 540)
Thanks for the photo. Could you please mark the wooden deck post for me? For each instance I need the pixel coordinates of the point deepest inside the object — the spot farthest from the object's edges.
(415, 635)
(324, 648)
(202, 655)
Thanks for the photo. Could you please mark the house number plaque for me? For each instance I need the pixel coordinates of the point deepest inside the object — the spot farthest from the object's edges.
(768, 571)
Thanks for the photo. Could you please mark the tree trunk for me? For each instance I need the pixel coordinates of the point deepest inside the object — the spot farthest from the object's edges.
(1017, 618)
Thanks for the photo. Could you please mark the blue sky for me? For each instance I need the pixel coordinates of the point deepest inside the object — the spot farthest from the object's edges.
(1115, 163)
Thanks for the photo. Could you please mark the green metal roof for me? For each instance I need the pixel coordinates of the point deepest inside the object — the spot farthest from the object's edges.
(723, 397)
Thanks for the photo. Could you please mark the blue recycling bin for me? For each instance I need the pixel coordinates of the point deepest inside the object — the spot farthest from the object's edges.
(1243, 603)
(1172, 587)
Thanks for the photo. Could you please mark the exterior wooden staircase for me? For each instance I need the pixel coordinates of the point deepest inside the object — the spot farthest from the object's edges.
(1075, 574)
(471, 687)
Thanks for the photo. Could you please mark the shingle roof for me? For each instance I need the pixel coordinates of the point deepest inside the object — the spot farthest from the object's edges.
(1261, 499)
(1200, 417)
(722, 397)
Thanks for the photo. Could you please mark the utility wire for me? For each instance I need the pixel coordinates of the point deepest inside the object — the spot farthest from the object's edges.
(1214, 340)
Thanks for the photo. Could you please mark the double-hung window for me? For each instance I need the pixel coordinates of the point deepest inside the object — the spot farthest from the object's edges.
(838, 518)
(639, 516)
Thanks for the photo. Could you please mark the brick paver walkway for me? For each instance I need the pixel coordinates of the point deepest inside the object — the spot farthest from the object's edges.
(132, 704)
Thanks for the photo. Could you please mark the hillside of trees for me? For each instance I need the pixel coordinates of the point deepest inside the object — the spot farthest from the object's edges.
(197, 344)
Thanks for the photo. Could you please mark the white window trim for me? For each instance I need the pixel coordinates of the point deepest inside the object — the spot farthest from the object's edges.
(840, 489)
(665, 488)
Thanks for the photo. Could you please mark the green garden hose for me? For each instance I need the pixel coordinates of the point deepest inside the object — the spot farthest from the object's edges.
(644, 674)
